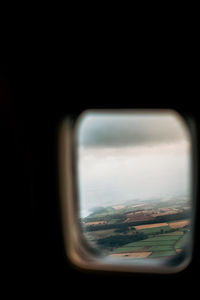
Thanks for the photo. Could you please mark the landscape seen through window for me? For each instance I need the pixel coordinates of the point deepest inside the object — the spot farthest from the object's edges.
(134, 179)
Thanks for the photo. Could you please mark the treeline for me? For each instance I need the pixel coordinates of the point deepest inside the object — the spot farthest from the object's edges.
(114, 241)
(173, 217)
(107, 218)
(123, 227)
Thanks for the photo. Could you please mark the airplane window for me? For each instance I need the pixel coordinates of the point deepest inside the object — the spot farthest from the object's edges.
(131, 202)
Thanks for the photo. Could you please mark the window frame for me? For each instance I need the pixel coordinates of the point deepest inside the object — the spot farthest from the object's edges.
(77, 251)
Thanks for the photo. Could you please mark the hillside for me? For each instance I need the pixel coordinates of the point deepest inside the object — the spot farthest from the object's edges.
(131, 230)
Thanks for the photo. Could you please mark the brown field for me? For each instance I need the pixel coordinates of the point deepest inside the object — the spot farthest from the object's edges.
(148, 214)
(138, 227)
(136, 219)
(139, 216)
(95, 223)
(131, 254)
(179, 224)
(164, 212)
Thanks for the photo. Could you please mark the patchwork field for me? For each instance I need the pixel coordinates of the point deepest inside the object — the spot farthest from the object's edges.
(161, 245)
(161, 227)
(155, 229)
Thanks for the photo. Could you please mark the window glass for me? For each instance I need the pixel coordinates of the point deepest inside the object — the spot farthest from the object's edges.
(134, 183)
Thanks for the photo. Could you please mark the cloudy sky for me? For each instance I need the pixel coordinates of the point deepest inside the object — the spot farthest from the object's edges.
(131, 155)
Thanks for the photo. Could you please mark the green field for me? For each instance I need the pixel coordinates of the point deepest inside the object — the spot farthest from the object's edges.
(174, 233)
(155, 229)
(162, 253)
(182, 241)
(113, 221)
(160, 245)
(161, 248)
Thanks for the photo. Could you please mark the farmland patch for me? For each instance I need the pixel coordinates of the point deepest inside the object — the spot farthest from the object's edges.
(139, 227)
(179, 224)
(160, 245)
(132, 254)
(95, 223)
(162, 253)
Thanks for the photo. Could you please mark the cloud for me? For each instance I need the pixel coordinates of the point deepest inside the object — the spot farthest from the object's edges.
(130, 129)
(106, 180)
(132, 156)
